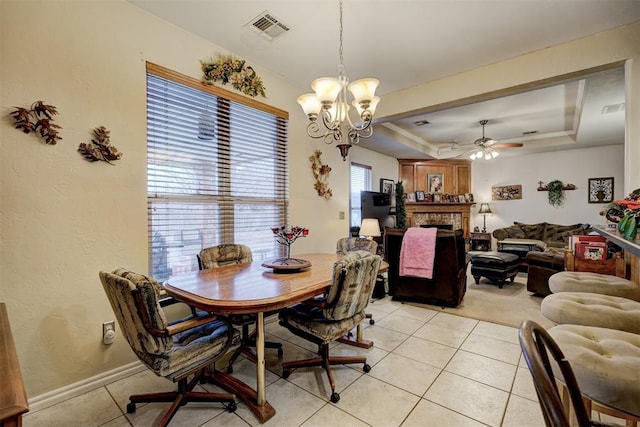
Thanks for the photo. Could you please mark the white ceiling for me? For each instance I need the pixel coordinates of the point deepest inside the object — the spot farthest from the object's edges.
(407, 42)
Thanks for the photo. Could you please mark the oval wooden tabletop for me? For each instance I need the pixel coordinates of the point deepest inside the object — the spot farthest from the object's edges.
(249, 288)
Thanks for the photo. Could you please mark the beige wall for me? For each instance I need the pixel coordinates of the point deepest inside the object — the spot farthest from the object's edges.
(620, 45)
(63, 219)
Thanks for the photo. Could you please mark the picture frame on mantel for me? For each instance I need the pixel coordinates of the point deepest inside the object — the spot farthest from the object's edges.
(435, 183)
(600, 190)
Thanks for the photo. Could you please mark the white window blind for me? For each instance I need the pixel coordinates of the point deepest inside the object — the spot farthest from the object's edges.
(217, 173)
(360, 181)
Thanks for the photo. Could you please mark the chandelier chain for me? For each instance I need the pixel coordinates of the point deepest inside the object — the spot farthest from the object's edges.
(341, 67)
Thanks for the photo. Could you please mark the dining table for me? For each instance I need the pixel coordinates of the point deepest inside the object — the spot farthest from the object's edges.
(252, 288)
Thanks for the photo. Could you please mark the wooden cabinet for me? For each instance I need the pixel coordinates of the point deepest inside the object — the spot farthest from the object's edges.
(456, 175)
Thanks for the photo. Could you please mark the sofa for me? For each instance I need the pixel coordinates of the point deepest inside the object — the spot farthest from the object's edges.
(553, 235)
(449, 282)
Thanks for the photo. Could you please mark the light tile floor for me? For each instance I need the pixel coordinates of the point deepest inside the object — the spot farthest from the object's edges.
(429, 368)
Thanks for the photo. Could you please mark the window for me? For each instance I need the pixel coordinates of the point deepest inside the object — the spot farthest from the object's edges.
(360, 181)
(216, 171)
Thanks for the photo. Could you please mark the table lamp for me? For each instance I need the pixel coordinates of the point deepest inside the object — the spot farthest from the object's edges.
(370, 228)
(484, 210)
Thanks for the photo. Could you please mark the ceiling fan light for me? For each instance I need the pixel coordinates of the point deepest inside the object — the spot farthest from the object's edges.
(487, 156)
(494, 154)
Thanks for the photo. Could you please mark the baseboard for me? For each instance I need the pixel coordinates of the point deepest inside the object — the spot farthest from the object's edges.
(73, 390)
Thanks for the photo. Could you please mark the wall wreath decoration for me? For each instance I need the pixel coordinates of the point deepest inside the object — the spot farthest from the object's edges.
(228, 69)
(38, 119)
(321, 175)
(100, 147)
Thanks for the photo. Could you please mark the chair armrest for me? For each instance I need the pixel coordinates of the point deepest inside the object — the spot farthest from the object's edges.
(191, 323)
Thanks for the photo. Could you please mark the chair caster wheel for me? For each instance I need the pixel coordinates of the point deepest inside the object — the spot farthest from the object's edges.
(335, 397)
(131, 408)
(230, 369)
(366, 367)
(280, 352)
(372, 322)
(232, 406)
(286, 373)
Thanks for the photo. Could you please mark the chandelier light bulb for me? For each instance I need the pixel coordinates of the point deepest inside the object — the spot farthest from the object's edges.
(310, 105)
(327, 90)
(364, 90)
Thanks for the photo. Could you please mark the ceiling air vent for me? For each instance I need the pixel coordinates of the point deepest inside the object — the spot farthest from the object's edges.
(613, 108)
(530, 132)
(421, 122)
(268, 26)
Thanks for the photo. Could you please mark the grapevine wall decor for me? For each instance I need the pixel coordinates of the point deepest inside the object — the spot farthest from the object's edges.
(100, 147)
(39, 119)
(321, 174)
(228, 69)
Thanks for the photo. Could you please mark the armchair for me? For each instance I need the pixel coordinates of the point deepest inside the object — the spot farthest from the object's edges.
(449, 282)
(174, 351)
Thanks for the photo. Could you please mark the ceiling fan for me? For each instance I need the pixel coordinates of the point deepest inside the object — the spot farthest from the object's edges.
(486, 147)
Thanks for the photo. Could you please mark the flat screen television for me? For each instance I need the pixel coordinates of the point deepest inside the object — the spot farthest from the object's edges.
(379, 206)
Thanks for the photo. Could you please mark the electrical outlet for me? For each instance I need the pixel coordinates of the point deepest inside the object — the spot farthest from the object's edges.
(109, 332)
(341, 215)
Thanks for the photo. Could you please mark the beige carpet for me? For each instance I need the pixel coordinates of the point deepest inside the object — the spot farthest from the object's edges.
(508, 306)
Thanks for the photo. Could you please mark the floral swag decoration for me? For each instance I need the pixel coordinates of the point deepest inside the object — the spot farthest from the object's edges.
(321, 174)
(227, 69)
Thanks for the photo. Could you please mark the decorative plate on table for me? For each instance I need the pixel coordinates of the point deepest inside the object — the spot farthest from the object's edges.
(287, 265)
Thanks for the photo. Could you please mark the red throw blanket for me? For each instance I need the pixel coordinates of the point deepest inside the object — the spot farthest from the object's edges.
(418, 252)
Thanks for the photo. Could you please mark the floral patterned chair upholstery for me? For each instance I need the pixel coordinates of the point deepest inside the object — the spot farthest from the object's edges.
(231, 254)
(325, 319)
(174, 351)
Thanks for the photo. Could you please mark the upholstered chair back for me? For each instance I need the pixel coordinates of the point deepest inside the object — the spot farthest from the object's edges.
(134, 298)
(352, 244)
(225, 254)
(352, 284)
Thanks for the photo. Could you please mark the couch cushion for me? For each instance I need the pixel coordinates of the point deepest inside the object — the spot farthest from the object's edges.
(533, 231)
(556, 233)
(512, 232)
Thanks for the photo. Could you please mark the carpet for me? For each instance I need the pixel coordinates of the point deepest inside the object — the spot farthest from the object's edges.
(508, 306)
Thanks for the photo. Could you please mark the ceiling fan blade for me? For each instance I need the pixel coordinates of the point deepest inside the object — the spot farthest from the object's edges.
(507, 145)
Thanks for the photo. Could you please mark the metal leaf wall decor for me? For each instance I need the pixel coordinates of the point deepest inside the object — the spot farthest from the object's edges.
(100, 147)
(38, 119)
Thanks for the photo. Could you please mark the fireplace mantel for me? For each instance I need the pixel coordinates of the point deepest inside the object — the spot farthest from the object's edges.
(425, 212)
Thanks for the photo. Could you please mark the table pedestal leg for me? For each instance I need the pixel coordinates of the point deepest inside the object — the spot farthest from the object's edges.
(256, 401)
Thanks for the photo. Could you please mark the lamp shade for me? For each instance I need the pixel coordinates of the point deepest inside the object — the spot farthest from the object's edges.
(370, 227)
(364, 89)
(310, 104)
(484, 208)
(326, 89)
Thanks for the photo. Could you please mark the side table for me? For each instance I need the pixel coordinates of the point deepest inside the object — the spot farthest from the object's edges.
(479, 241)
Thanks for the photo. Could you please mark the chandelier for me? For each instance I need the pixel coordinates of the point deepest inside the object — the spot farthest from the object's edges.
(329, 102)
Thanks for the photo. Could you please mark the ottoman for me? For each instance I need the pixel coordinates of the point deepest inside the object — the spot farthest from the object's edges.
(495, 266)
(605, 362)
(587, 309)
(580, 281)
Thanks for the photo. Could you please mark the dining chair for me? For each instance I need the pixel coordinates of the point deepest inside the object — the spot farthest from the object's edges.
(181, 351)
(536, 344)
(351, 244)
(327, 318)
(233, 254)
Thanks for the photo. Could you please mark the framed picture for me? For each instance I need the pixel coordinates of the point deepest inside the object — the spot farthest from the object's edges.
(435, 182)
(468, 197)
(386, 185)
(420, 196)
(506, 192)
(600, 190)
(437, 198)
(411, 197)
